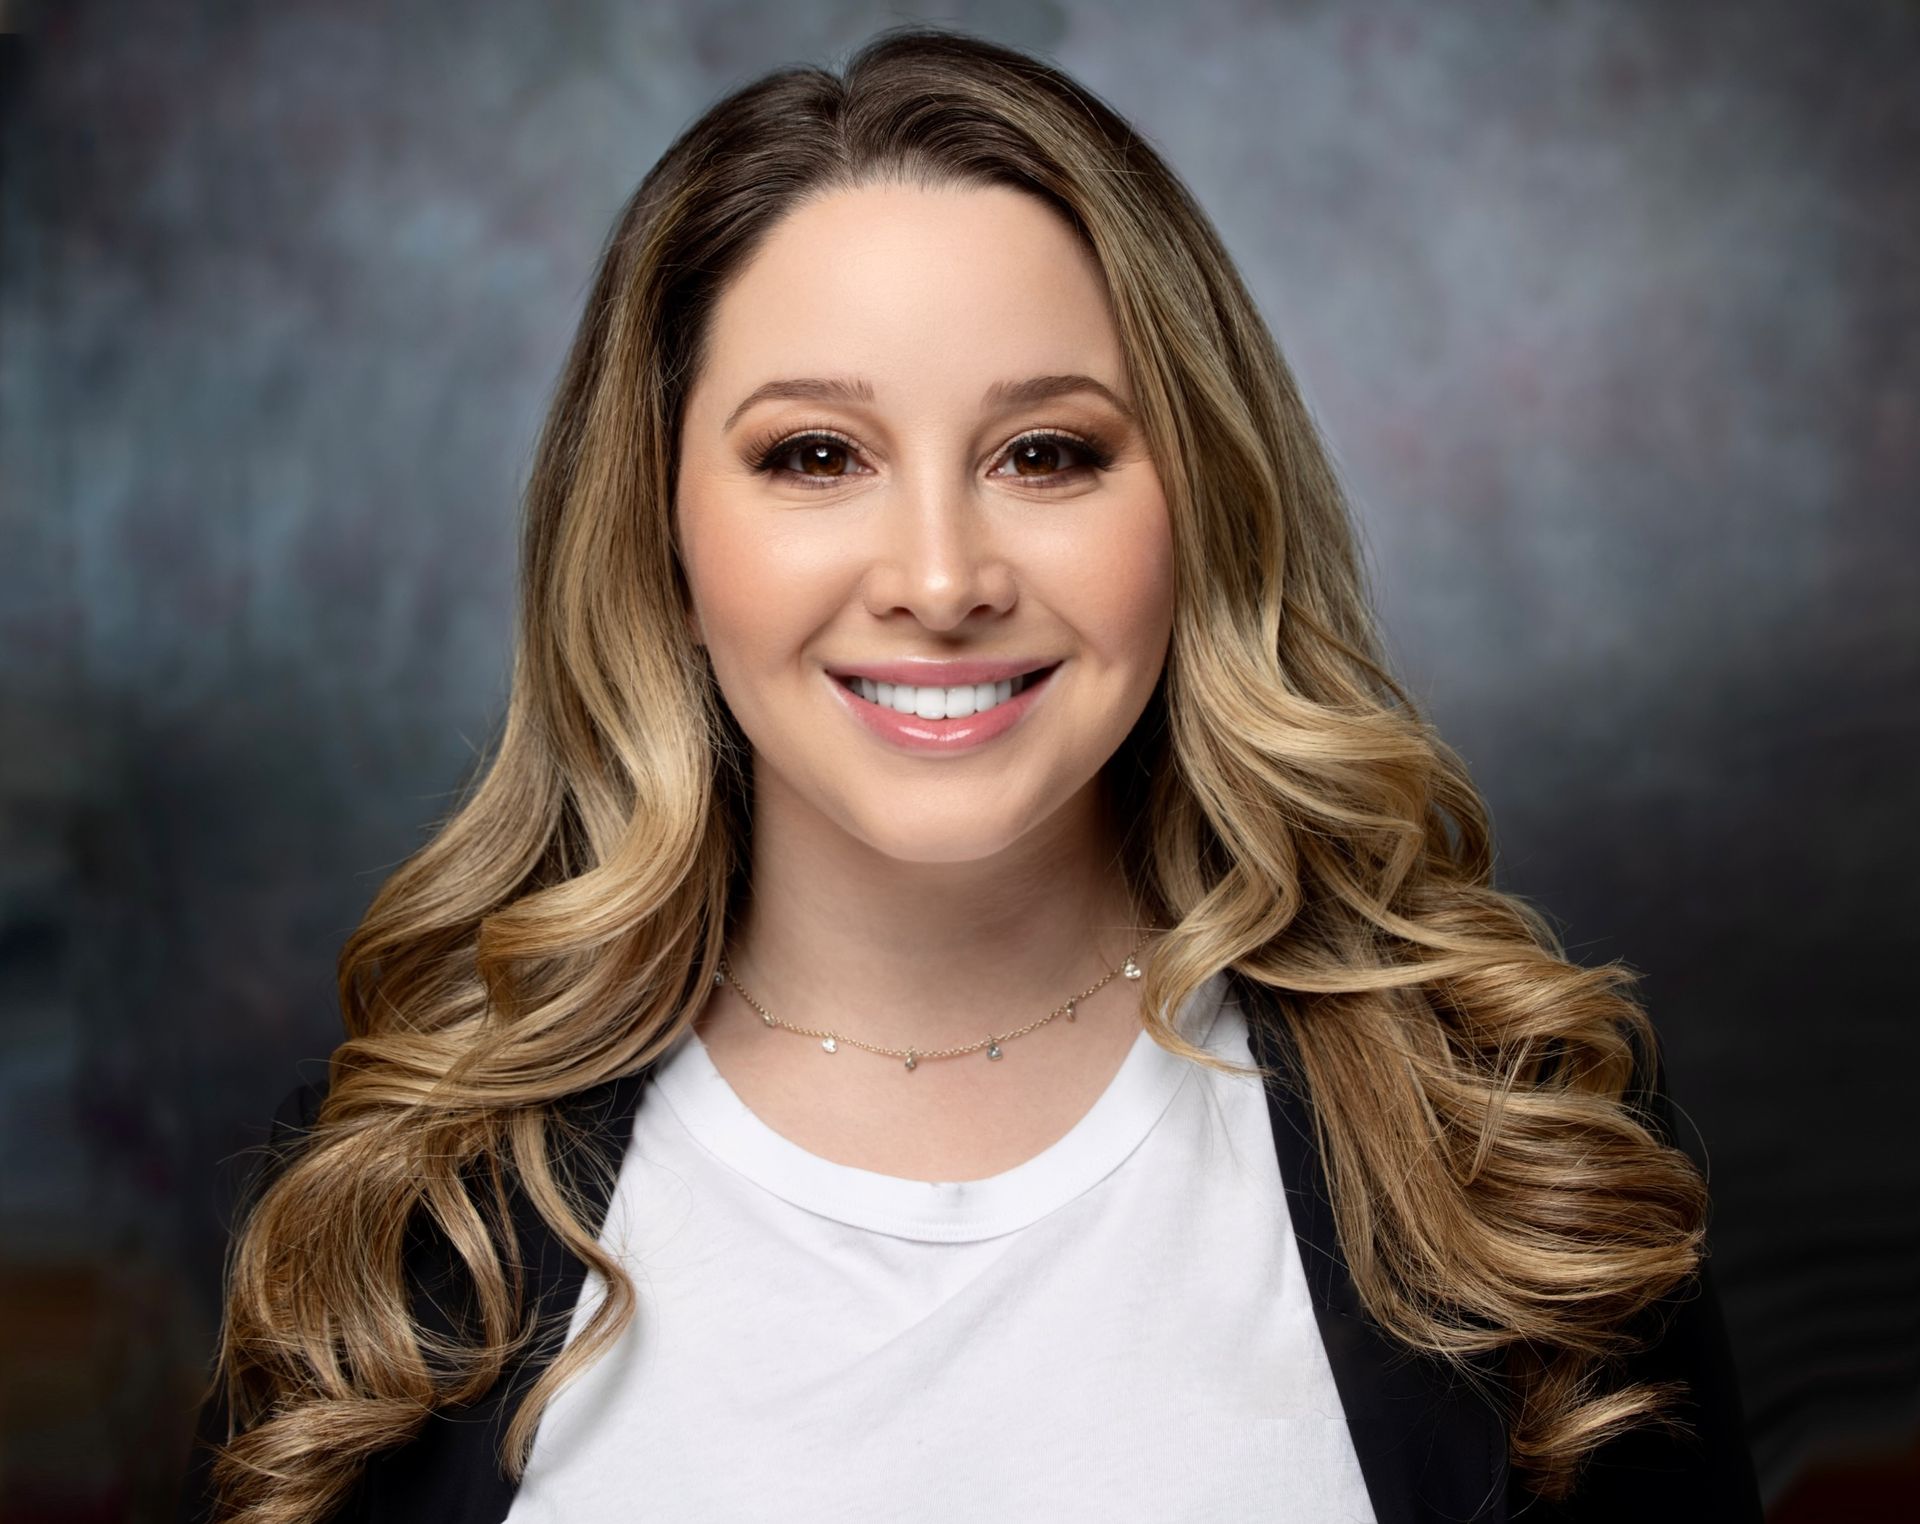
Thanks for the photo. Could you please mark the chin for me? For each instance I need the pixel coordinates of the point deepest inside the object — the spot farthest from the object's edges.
(908, 840)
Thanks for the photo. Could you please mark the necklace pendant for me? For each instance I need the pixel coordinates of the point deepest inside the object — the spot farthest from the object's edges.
(1131, 969)
(765, 1019)
(830, 1045)
(913, 1061)
(993, 1050)
(1070, 1015)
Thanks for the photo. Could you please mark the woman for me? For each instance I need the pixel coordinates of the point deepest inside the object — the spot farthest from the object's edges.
(966, 990)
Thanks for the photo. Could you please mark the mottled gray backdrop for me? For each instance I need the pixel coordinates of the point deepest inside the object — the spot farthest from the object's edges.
(1610, 311)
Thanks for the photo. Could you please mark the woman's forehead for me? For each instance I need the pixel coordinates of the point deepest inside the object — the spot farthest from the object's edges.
(936, 295)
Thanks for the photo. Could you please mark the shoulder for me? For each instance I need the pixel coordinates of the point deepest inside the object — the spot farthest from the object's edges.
(293, 1122)
(288, 1129)
(297, 1111)
(1651, 1473)
(1703, 1469)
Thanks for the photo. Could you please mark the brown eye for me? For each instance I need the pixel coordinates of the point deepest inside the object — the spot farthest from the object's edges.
(818, 460)
(819, 456)
(1042, 457)
(1039, 457)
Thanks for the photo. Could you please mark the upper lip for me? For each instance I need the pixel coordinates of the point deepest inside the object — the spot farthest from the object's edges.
(927, 673)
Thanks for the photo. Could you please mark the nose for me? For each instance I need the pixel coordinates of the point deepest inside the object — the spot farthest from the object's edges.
(938, 555)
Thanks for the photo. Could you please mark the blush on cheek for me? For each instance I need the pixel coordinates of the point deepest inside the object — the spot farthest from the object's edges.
(764, 591)
(1120, 588)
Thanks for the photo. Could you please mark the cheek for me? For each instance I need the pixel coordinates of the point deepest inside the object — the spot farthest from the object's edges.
(1116, 583)
(755, 593)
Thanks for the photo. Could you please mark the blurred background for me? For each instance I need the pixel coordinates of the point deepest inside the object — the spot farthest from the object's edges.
(1611, 312)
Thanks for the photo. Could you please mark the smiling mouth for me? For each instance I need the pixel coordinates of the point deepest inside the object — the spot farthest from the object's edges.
(932, 702)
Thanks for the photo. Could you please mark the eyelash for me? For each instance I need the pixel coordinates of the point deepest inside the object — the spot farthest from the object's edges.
(767, 453)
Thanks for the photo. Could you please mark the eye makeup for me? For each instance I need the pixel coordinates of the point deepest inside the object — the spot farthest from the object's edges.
(767, 453)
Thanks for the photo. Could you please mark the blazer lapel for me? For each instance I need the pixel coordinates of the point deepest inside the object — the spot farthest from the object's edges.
(1429, 1446)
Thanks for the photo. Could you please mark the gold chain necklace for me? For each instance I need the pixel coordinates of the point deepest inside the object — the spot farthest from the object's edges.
(830, 1041)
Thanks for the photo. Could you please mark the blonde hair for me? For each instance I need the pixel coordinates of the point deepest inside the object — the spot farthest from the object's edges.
(1295, 819)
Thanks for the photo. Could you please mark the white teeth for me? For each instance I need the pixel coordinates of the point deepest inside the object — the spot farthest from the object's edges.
(938, 703)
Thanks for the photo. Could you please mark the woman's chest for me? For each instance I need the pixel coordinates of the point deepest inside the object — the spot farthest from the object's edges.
(1142, 1348)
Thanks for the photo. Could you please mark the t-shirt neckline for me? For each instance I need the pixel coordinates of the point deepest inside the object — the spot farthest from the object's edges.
(938, 1211)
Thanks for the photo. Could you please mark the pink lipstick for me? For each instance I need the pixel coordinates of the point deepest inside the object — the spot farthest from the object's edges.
(1029, 681)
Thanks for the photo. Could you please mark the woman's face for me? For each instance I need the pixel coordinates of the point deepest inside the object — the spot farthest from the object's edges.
(970, 488)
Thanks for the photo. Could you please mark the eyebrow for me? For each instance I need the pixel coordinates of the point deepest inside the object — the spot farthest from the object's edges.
(1000, 394)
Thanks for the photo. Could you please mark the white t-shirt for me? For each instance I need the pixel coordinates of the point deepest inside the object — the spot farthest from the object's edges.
(1117, 1329)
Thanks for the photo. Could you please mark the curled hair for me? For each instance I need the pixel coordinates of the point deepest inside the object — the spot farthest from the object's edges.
(1294, 818)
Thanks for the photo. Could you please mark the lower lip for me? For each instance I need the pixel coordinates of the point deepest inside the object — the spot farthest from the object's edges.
(911, 733)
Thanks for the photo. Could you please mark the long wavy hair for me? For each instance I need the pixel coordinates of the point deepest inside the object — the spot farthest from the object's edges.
(1498, 1194)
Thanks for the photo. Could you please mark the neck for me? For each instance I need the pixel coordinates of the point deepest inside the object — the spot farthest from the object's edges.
(929, 955)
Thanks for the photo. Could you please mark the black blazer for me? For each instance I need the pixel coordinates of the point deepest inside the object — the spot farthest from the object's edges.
(1430, 1448)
